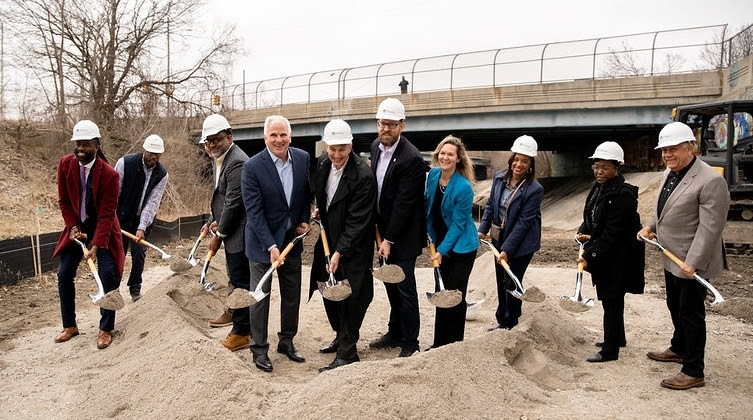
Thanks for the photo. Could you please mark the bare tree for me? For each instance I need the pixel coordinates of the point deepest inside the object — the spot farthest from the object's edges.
(720, 52)
(104, 59)
(623, 63)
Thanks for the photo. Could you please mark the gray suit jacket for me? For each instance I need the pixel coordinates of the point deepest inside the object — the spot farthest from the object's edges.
(692, 221)
(227, 203)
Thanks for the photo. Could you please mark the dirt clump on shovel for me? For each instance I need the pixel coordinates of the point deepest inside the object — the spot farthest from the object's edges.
(112, 301)
(572, 306)
(180, 265)
(534, 294)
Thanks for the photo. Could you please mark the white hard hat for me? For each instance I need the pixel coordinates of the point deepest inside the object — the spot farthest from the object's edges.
(213, 124)
(673, 134)
(85, 130)
(391, 109)
(525, 145)
(154, 144)
(609, 150)
(337, 132)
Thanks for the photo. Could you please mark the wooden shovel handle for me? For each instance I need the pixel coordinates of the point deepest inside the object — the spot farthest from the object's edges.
(378, 237)
(209, 256)
(673, 257)
(433, 250)
(580, 265)
(136, 239)
(324, 242)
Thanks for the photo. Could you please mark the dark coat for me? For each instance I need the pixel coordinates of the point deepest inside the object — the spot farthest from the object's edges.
(267, 208)
(349, 226)
(615, 258)
(104, 200)
(401, 218)
(227, 203)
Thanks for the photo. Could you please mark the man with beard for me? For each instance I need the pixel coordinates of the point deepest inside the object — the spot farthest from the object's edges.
(142, 181)
(88, 199)
(228, 218)
(345, 191)
(400, 172)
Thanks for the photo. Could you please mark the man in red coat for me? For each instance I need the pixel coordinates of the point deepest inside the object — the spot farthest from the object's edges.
(88, 198)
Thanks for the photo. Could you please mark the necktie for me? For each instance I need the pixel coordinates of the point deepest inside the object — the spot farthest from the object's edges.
(82, 177)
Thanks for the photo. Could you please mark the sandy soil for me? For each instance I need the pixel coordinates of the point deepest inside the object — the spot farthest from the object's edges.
(166, 362)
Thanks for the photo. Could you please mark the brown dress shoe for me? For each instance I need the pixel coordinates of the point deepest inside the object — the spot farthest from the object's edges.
(104, 339)
(223, 320)
(66, 334)
(235, 342)
(682, 381)
(665, 356)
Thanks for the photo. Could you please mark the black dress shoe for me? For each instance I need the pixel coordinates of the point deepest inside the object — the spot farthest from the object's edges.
(384, 342)
(499, 327)
(290, 351)
(338, 362)
(601, 357)
(331, 347)
(601, 344)
(407, 352)
(262, 362)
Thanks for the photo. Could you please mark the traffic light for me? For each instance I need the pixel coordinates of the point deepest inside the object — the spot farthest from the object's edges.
(216, 100)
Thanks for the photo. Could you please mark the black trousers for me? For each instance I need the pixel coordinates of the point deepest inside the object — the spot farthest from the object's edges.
(685, 300)
(509, 308)
(404, 320)
(449, 323)
(614, 325)
(346, 317)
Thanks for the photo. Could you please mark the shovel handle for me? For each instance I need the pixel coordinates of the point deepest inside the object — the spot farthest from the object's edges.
(580, 254)
(209, 256)
(325, 242)
(378, 237)
(433, 250)
(140, 241)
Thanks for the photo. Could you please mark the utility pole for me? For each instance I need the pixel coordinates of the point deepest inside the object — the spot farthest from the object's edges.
(169, 89)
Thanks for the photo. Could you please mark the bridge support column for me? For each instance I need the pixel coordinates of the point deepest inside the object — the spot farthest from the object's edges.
(567, 164)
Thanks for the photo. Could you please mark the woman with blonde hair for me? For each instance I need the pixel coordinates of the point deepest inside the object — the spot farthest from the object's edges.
(449, 201)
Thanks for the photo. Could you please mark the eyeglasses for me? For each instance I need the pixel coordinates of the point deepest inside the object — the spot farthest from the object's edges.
(390, 125)
(598, 168)
(212, 141)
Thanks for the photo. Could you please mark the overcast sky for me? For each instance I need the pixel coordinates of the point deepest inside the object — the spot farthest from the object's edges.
(290, 37)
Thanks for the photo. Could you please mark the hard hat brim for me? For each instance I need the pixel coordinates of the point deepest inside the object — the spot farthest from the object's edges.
(672, 143)
(338, 142)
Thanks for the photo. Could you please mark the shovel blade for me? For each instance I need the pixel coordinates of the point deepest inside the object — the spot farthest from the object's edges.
(336, 291)
(242, 298)
(445, 298)
(390, 273)
(112, 301)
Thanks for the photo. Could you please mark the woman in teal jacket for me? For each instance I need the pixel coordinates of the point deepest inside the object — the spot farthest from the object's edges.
(449, 201)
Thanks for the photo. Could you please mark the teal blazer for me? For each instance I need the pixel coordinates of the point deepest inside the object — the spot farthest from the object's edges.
(457, 212)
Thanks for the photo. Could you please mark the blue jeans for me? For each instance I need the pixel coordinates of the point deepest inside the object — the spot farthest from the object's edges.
(70, 257)
(138, 255)
(404, 318)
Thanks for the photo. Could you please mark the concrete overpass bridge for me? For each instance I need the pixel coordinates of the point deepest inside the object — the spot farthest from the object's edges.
(568, 118)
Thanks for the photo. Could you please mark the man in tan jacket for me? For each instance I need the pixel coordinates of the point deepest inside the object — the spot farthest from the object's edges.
(690, 215)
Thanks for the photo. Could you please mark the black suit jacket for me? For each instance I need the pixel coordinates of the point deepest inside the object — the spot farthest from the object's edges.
(400, 215)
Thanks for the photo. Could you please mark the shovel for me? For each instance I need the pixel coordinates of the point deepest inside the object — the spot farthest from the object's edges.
(442, 298)
(576, 297)
(388, 273)
(519, 292)
(179, 265)
(242, 298)
(332, 289)
(203, 278)
(717, 296)
(165, 255)
(191, 259)
(112, 300)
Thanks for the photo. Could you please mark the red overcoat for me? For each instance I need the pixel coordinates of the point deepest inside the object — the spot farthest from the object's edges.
(105, 189)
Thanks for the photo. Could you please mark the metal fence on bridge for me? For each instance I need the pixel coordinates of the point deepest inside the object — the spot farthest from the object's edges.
(651, 53)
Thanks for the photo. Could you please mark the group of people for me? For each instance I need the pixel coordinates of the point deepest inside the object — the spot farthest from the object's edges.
(97, 203)
(260, 204)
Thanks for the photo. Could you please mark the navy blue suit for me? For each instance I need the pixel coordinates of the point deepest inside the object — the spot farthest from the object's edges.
(271, 221)
(520, 238)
